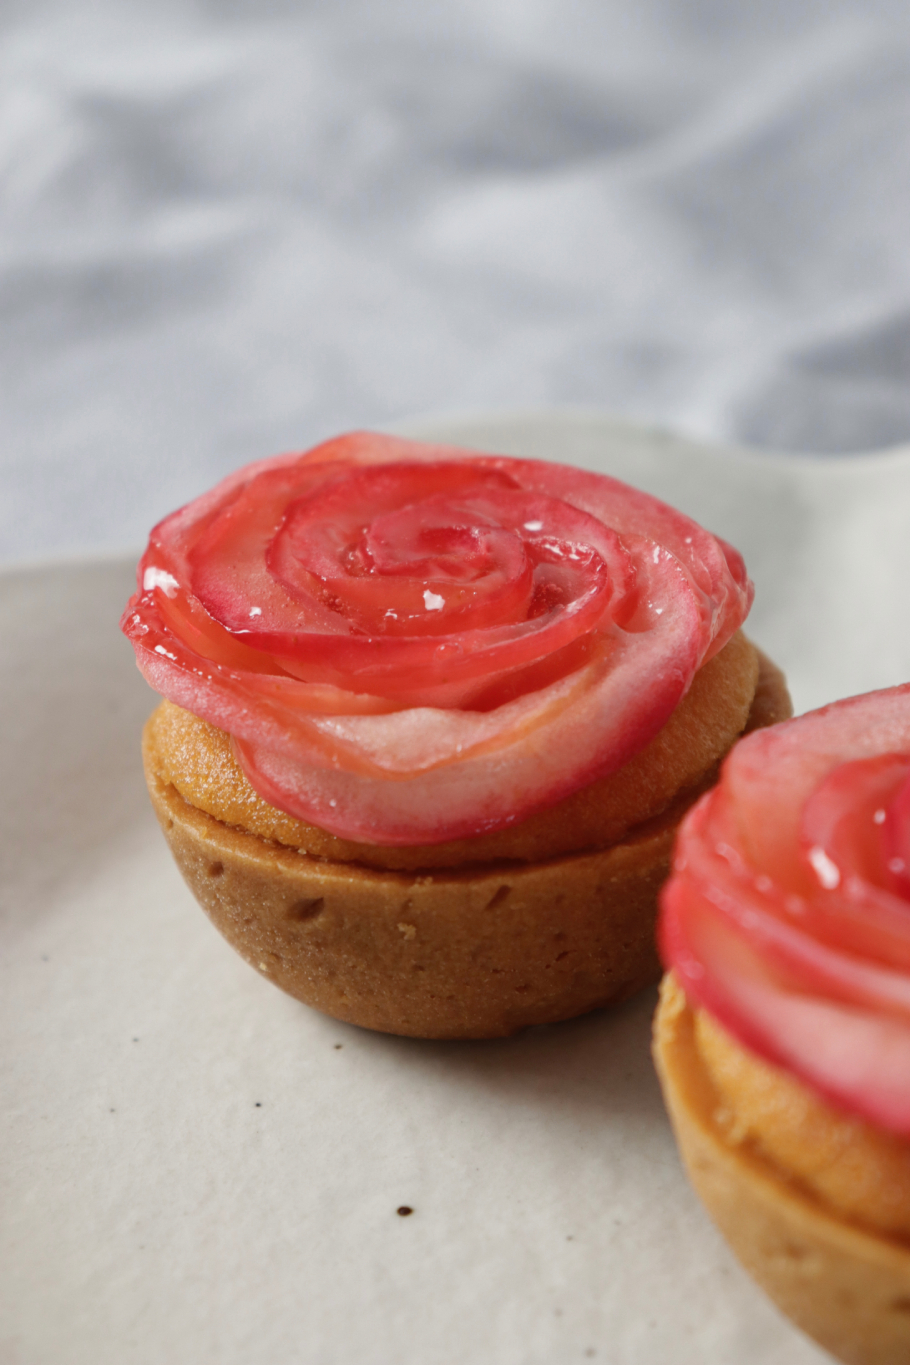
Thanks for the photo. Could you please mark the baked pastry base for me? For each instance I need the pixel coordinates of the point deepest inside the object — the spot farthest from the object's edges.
(845, 1286)
(471, 954)
(477, 949)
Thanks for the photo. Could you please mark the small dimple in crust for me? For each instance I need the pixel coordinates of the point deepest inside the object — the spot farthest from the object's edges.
(308, 907)
(501, 895)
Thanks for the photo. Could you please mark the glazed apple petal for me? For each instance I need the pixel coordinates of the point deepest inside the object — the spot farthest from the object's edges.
(785, 916)
(376, 541)
(229, 571)
(857, 918)
(842, 824)
(800, 958)
(474, 772)
(771, 774)
(896, 838)
(165, 627)
(857, 1058)
(398, 635)
(232, 698)
(405, 743)
(716, 569)
(408, 667)
(333, 600)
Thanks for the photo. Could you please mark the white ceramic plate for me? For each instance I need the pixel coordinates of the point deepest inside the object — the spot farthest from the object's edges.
(198, 1169)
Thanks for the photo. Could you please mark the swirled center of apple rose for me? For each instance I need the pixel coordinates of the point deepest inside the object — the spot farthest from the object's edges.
(411, 643)
(788, 914)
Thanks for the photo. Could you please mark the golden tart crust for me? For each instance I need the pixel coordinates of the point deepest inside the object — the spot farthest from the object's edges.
(488, 942)
(859, 1171)
(775, 1166)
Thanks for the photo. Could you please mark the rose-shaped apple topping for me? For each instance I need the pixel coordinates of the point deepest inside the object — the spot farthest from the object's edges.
(788, 913)
(413, 643)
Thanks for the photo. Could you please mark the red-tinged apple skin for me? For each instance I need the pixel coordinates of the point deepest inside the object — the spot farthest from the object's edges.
(896, 839)
(841, 835)
(414, 643)
(787, 916)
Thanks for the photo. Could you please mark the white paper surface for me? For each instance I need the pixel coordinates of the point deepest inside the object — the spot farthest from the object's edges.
(198, 1168)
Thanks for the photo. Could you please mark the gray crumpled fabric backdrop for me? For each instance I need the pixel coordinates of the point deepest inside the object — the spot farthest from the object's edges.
(233, 228)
